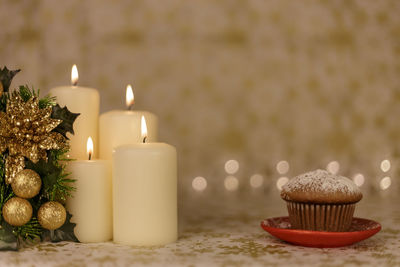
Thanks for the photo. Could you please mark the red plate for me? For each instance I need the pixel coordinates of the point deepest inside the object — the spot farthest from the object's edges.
(360, 229)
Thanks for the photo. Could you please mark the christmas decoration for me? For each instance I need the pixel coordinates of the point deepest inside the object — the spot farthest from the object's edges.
(52, 215)
(17, 211)
(27, 132)
(33, 179)
(26, 184)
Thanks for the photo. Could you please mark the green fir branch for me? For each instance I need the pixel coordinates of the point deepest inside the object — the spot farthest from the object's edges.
(63, 187)
(27, 93)
(31, 230)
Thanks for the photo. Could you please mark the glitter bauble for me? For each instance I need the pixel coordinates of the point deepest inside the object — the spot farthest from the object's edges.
(52, 215)
(17, 211)
(26, 184)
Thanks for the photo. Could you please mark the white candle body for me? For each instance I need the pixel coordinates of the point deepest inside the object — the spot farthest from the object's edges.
(119, 127)
(91, 203)
(85, 101)
(145, 194)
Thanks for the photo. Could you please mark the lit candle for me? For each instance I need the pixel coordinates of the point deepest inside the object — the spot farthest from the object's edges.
(145, 193)
(83, 100)
(91, 203)
(120, 127)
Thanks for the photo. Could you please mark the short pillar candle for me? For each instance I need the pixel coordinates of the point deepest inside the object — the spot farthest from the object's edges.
(121, 127)
(145, 194)
(91, 203)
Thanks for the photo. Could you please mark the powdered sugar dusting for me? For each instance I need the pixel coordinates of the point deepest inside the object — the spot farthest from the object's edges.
(321, 181)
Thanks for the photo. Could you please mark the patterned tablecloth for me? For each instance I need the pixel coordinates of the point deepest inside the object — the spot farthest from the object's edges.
(226, 232)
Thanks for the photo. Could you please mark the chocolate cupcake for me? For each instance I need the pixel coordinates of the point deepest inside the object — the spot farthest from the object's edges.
(321, 201)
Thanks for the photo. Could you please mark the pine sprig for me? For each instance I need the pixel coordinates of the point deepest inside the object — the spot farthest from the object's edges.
(63, 186)
(27, 93)
(31, 230)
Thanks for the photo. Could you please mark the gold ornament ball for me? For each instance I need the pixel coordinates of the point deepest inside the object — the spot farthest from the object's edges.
(26, 184)
(52, 215)
(17, 211)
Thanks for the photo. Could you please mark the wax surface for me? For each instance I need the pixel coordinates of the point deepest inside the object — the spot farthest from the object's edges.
(145, 194)
(85, 101)
(91, 203)
(121, 127)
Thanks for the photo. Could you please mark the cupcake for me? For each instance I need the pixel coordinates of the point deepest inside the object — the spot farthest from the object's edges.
(321, 201)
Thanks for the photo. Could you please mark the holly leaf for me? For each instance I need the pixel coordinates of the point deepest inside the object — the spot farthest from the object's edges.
(68, 118)
(6, 77)
(8, 241)
(64, 233)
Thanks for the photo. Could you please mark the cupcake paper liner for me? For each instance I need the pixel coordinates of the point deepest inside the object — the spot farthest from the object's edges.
(320, 217)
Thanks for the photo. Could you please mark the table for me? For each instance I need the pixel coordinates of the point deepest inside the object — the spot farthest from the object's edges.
(224, 231)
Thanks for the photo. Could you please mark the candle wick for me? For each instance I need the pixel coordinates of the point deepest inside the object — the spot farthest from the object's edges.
(130, 107)
(90, 156)
(144, 139)
(75, 83)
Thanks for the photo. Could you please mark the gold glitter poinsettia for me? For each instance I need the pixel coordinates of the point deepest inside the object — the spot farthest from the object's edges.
(26, 131)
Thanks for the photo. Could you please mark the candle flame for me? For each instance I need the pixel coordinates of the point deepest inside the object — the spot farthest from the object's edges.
(143, 129)
(74, 75)
(130, 98)
(89, 147)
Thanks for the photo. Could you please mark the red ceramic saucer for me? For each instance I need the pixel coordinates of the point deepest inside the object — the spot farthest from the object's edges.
(360, 229)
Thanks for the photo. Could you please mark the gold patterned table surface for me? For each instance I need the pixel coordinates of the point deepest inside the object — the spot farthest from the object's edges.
(226, 232)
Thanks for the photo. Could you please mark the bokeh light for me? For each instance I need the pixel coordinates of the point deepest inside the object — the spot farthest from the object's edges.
(333, 167)
(385, 183)
(282, 167)
(359, 179)
(199, 183)
(385, 165)
(256, 180)
(232, 166)
(231, 183)
(281, 182)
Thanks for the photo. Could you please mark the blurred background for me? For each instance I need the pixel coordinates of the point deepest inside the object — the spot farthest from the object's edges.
(250, 92)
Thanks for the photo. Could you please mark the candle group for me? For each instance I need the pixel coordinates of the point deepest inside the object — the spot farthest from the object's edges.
(129, 195)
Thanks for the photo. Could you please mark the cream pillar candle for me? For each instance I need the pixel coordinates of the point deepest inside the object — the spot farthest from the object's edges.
(120, 127)
(91, 203)
(83, 100)
(145, 194)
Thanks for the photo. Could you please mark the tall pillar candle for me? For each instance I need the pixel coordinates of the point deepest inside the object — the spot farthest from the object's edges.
(145, 194)
(120, 127)
(83, 100)
(91, 202)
